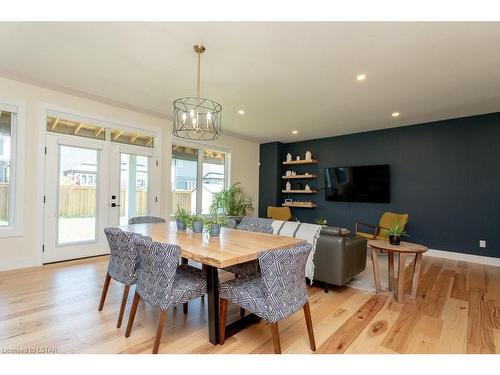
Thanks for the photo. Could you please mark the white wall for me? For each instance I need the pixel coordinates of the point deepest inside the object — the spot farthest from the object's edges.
(25, 250)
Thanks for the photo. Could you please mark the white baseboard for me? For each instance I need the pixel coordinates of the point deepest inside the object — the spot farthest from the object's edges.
(464, 257)
(18, 263)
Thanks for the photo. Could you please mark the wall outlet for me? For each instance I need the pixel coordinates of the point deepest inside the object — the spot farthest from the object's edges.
(482, 243)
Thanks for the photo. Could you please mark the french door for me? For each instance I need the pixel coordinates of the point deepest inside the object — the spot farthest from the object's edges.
(89, 185)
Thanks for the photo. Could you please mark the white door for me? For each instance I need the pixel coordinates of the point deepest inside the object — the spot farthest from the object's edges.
(90, 185)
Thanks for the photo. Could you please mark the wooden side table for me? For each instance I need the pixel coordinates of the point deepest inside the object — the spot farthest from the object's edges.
(403, 250)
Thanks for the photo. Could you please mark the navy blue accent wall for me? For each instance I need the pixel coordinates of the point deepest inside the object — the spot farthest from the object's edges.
(445, 175)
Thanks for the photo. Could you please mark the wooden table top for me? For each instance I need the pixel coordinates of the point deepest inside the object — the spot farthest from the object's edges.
(404, 247)
(233, 246)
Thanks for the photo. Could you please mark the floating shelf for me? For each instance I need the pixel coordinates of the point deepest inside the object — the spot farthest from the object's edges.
(299, 191)
(300, 205)
(299, 176)
(291, 162)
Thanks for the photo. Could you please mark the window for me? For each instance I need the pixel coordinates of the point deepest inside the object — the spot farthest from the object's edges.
(195, 175)
(77, 128)
(131, 138)
(6, 130)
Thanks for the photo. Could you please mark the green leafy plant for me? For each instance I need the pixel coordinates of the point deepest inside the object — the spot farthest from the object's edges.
(216, 219)
(396, 231)
(233, 201)
(182, 215)
(321, 221)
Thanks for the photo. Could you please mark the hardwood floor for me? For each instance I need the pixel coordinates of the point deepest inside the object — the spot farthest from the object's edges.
(457, 310)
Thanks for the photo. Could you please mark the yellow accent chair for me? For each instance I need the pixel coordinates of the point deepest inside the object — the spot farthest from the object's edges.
(379, 232)
(279, 213)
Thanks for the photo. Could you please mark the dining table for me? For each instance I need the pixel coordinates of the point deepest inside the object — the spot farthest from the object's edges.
(232, 246)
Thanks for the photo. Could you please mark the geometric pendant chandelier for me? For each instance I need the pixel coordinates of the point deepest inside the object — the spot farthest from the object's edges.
(197, 118)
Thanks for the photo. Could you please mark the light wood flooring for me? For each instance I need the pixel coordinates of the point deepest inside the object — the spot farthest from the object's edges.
(457, 310)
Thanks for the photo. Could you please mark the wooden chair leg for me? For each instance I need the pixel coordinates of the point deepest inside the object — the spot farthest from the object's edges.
(105, 287)
(309, 324)
(185, 308)
(131, 317)
(222, 320)
(242, 312)
(159, 331)
(122, 307)
(276, 337)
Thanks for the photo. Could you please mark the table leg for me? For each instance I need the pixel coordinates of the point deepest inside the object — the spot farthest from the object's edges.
(213, 304)
(416, 274)
(390, 260)
(401, 278)
(376, 273)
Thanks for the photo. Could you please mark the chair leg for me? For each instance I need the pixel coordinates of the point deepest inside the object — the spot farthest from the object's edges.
(122, 307)
(309, 324)
(222, 320)
(185, 307)
(159, 331)
(326, 287)
(242, 312)
(131, 317)
(276, 337)
(105, 287)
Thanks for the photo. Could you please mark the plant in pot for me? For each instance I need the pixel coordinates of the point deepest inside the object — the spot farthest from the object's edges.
(321, 221)
(395, 233)
(196, 224)
(233, 202)
(213, 225)
(182, 217)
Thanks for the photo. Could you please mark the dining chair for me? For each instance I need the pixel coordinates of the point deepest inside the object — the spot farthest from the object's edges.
(146, 220)
(122, 265)
(275, 293)
(162, 282)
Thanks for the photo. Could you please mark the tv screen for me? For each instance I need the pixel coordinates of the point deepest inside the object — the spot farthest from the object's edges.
(370, 183)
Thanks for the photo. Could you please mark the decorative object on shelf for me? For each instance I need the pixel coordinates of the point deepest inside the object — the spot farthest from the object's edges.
(308, 155)
(195, 117)
(288, 185)
(321, 221)
(306, 174)
(288, 157)
(294, 173)
(288, 173)
(288, 200)
(298, 158)
(308, 188)
(395, 233)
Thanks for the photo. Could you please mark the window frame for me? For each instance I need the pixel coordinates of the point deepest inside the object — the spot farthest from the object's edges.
(201, 148)
(16, 169)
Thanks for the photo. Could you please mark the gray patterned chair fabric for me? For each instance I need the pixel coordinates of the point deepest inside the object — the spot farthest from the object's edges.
(280, 288)
(252, 267)
(146, 220)
(123, 261)
(161, 281)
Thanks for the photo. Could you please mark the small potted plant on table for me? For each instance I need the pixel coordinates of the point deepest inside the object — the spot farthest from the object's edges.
(182, 217)
(196, 224)
(214, 224)
(395, 233)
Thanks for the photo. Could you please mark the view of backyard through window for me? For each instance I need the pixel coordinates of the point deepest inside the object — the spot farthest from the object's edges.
(5, 161)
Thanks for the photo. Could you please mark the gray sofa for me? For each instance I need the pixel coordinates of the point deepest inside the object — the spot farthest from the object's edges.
(338, 258)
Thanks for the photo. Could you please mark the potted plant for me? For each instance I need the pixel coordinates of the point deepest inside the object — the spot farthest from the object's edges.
(182, 217)
(321, 221)
(233, 202)
(395, 233)
(213, 225)
(196, 224)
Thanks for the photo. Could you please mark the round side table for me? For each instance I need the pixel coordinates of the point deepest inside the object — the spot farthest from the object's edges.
(403, 250)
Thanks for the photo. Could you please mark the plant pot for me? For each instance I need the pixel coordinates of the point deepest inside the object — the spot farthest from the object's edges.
(215, 230)
(197, 226)
(394, 240)
(181, 225)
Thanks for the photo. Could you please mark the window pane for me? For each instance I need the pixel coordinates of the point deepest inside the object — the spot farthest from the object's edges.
(5, 161)
(213, 177)
(133, 187)
(77, 128)
(77, 194)
(131, 138)
(184, 170)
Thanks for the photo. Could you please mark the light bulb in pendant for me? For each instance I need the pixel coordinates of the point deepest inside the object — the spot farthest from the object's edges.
(191, 113)
(193, 121)
(209, 116)
(184, 117)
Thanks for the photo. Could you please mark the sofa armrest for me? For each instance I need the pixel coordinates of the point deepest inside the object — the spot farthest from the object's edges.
(332, 231)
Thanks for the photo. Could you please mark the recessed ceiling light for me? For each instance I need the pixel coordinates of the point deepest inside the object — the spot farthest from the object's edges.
(361, 77)
(395, 114)
(295, 132)
(241, 112)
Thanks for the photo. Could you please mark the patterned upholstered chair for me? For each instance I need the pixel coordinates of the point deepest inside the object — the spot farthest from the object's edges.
(277, 292)
(122, 265)
(162, 282)
(146, 220)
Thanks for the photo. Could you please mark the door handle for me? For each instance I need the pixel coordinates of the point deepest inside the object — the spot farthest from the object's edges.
(115, 205)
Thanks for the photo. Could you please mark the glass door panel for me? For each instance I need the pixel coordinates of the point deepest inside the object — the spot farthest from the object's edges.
(213, 180)
(78, 178)
(134, 180)
(184, 174)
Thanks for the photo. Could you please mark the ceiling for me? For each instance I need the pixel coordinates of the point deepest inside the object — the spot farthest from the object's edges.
(286, 76)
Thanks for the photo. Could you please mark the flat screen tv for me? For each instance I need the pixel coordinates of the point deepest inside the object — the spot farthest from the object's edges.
(369, 183)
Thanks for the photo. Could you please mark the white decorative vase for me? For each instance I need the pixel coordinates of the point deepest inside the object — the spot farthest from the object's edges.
(288, 185)
(308, 155)
(288, 157)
